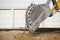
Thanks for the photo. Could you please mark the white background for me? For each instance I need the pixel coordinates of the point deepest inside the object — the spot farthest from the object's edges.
(6, 16)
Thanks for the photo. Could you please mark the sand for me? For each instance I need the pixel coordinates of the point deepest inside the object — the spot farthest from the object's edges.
(21, 35)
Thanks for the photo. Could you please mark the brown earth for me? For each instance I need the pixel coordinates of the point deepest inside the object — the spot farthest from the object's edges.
(21, 35)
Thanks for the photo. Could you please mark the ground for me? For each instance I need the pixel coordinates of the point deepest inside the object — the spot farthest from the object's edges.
(22, 35)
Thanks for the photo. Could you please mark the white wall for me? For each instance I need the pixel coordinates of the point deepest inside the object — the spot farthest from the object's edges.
(10, 19)
(5, 19)
(52, 22)
(18, 3)
(20, 18)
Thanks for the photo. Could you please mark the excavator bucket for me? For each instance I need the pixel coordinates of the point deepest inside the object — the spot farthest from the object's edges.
(36, 14)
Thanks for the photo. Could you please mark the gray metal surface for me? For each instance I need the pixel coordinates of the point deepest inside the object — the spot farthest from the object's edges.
(35, 15)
